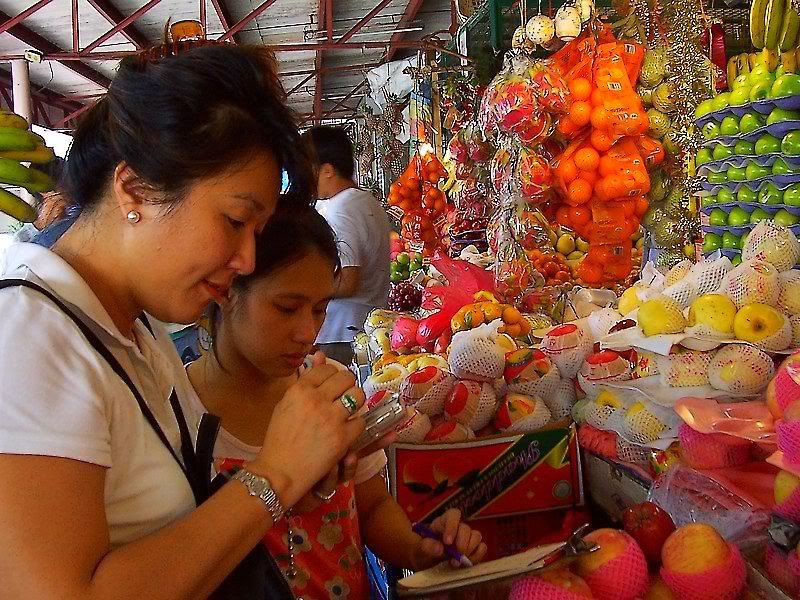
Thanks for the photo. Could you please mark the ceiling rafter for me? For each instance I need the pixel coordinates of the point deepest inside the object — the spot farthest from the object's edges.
(120, 26)
(248, 18)
(409, 15)
(363, 21)
(37, 42)
(112, 14)
(9, 22)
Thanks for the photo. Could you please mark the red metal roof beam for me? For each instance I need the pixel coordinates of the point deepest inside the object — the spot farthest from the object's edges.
(248, 18)
(341, 102)
(409, 15)
(120, 26)
(111, 14)
(363, 21)
(9, 22)
(299, 85)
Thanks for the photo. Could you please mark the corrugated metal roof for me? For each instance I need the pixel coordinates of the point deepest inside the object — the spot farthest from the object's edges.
(283, 22)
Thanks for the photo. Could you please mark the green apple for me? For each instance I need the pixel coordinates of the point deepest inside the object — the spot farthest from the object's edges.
(740, 96)
(730, 240)
(705, 107)
(711, 242)
(737, 260)
(741, 81)
(790, 144)
(755, 171)
(707, 201)
(745, 194)
(718, 218)
(770, 194)
(781, 167)
(758, 215)
(780, 72)
(721, 152)
(767, 144)
(710, 130)
(717, 177)
(750, 122)
(760, 90)
(779, 115)
(729, 126)
(703, 156)
(738, 217)
(737, 173)
(721, 101)
(785, 219)
(760, 72)
(725, 196)
(744, 148)
(786, 85)
(791, 195)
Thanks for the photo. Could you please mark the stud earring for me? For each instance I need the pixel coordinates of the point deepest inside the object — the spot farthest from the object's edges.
(133, 217)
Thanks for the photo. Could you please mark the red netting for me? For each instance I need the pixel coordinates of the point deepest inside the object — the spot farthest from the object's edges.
(786, 388)
(723, 583)
(622, 578)
(712, 450)
(790, 508)
(535, 588)
(776, 564)
(789, 440)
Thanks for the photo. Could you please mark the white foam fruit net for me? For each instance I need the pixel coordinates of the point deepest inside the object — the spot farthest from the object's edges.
(707, 275)
(683, 292)
(415, 429)
(605, 412)
(568, 361)
(536, 420)
(544, 387)
(600, 322)
(678, 272)
(643, 423)
(780, 340)
(561, 401)
(753, 281)
(772, 243)
(740, 368)
(789, 296)
(687, 368)
(476, 355)
(632, 453)
(389, 378)
(480, 408)
(432, 402)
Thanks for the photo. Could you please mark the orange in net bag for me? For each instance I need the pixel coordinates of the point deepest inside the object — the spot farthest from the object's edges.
(617, 108)
(622, 172)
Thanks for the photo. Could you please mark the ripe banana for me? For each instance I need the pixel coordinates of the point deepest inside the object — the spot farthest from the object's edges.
(773, 24)
(39, 181)
(12, 138)
(743, 63)
(40, 155)
(16, 207)
(769, 58)
(8, 119)
(789, 61)
(14, 173)
(789, 28)
(732, 71)
(758, 11)
(752, 60)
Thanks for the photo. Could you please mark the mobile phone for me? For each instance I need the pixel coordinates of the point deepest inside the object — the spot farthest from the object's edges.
(380, 420)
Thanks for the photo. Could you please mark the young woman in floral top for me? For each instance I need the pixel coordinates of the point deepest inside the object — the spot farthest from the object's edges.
(262, 335)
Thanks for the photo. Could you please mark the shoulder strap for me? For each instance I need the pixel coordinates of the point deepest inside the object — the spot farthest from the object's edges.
(103, 351)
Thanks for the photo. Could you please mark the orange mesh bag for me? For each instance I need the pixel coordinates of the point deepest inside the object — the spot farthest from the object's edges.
(712, 450)
(619, 111)
(723, 583)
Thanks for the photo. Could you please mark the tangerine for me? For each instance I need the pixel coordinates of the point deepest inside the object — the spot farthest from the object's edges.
(599, 118)
(601, 141)
(597, 97)
(580, 88)
(590, 176)
(568, 171)
(587, 159)
(580, 113)
(579, 191)
(579, 215)
(642, 205)
(564, 215)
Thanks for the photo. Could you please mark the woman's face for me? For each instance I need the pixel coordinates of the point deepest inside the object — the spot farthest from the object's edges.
(188, 255)
(274, 323)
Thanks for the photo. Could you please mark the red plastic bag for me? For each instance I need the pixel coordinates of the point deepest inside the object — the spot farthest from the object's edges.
(404, 334)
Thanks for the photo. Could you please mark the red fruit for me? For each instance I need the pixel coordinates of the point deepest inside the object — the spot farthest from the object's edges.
(650, 526)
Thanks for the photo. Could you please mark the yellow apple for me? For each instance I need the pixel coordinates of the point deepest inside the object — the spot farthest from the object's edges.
(565, 579)
(612, 544)
(740, 368)
(785, 485)
(659, 590)
(756, 322)
(715, 311)
(629, 301)
(660, 315)
(608, 398)
(694, 548)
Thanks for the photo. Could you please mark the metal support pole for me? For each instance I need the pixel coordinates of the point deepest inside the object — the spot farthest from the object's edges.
(22, 89)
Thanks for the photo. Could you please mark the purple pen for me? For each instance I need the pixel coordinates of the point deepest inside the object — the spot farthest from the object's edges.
(449, 550)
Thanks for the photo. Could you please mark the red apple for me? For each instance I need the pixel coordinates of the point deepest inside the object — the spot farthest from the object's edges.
(650, 526)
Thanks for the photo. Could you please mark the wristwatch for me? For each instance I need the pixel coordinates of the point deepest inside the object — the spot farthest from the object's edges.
(260, 488)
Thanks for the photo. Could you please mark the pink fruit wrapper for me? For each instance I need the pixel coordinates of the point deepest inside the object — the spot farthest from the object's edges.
(723, 583)
(622, 578)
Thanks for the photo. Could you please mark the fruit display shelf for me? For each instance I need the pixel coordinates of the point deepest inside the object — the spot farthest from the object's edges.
(780, 181)
(763, 107)
(778, 130)
(742, 160)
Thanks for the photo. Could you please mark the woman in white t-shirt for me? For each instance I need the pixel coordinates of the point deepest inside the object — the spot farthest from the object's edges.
(176, 170)
(261, 338)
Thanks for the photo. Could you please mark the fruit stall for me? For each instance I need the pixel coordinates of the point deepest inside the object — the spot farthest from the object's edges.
(595, 307)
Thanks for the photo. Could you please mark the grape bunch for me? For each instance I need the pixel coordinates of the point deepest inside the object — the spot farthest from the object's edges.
(405, 297)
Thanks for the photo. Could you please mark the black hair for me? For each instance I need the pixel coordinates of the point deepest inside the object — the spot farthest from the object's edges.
(332, 145)
(177, 117)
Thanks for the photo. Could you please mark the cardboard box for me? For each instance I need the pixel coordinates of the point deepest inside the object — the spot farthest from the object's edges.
(488, 478)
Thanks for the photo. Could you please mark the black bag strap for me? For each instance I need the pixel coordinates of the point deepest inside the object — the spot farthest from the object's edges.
(207, 433)
(103, 351)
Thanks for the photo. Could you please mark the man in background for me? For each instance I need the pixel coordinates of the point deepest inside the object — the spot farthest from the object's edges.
(362, 232)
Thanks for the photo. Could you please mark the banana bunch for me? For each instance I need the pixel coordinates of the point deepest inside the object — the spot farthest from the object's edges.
(743, 63)
(19, 145)
(774, 24)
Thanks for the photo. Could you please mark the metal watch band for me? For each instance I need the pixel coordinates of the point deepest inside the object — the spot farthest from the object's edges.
(260, 488)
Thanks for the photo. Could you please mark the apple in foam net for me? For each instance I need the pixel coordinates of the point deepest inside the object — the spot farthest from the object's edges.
(755, 322)
(695, 548)
(785, 485)
(566, 579)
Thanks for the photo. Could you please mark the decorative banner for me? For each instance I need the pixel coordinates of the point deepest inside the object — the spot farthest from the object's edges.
(488, 478)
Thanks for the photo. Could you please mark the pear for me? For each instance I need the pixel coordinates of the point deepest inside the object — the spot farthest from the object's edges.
(741, 368)
(789, 296)
(763, 326)
(684, 368)
(660, 315)
(753, 281)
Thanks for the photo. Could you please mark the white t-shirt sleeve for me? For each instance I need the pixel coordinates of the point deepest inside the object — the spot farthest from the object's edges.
(348, 228)
(51, 384)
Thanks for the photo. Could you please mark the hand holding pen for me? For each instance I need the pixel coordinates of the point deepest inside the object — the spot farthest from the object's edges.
(448, 537)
